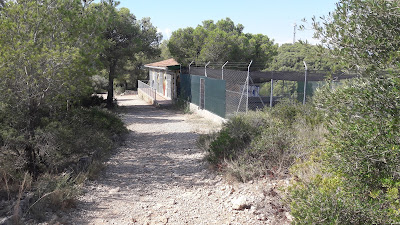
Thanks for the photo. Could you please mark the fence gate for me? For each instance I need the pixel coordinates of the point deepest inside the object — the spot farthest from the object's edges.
(202, 94)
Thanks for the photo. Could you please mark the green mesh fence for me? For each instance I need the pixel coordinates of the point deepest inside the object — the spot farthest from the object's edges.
(195, 89)
(214, 93)
(300, 90)
(215, 96)
(185, 87)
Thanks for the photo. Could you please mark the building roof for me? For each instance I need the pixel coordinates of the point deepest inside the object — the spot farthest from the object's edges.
(163, 64)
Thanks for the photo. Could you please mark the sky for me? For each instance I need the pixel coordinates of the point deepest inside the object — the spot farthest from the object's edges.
(274, 18)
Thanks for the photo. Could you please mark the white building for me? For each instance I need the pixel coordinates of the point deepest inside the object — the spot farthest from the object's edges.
(163, 76)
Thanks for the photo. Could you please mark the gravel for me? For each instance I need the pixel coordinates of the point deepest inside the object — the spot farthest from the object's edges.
(159, 177)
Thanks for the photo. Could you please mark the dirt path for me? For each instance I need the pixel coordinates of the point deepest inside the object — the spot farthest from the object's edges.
(159, 177)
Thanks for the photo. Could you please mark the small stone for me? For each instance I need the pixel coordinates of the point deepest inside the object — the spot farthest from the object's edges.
(262, 217)
(114, 191)
(164, 220)
(239, 203)
(231, 191)
(288, 216)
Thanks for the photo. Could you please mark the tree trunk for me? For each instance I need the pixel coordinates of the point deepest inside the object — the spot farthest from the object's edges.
(30, 154)
(111, 74)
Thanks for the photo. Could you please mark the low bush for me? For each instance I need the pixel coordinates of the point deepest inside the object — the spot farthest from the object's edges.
(81, 133)
(230, 142)
(264, 142)
(69, 148)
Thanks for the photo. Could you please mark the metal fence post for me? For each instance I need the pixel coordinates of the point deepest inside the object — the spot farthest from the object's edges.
(190, 65)
(223, 70)
(205, 68)
(305, 82)
(247, 81)
(271, 97)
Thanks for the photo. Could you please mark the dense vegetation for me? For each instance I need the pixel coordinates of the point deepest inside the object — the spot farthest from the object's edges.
(220, 42)
(356, 180)
(347, 165)
(264, 143)
(53, 132)
(290, 57)
(353, 178)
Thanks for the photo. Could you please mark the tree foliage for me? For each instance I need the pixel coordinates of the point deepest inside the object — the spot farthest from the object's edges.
(363, 34)
(290, 57)
(165, 54)
(220, 42)
(357, 179)
(45, 57)
(125, 37)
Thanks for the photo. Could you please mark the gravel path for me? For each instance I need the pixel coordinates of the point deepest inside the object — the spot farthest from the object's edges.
(159, 177)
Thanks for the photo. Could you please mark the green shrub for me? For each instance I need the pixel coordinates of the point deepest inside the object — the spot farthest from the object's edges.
(231, 141)
(357, 181)
(69, 148)
(264, 142)
(330, 199)
(82, 132)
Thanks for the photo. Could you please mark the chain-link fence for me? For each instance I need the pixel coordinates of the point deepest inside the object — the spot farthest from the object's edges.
(236, 88)
(245, 89)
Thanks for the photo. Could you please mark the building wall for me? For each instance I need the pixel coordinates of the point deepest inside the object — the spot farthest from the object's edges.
(163, 81)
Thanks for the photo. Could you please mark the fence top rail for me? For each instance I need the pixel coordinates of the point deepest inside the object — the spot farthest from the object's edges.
(263, 76)
(266, 76)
